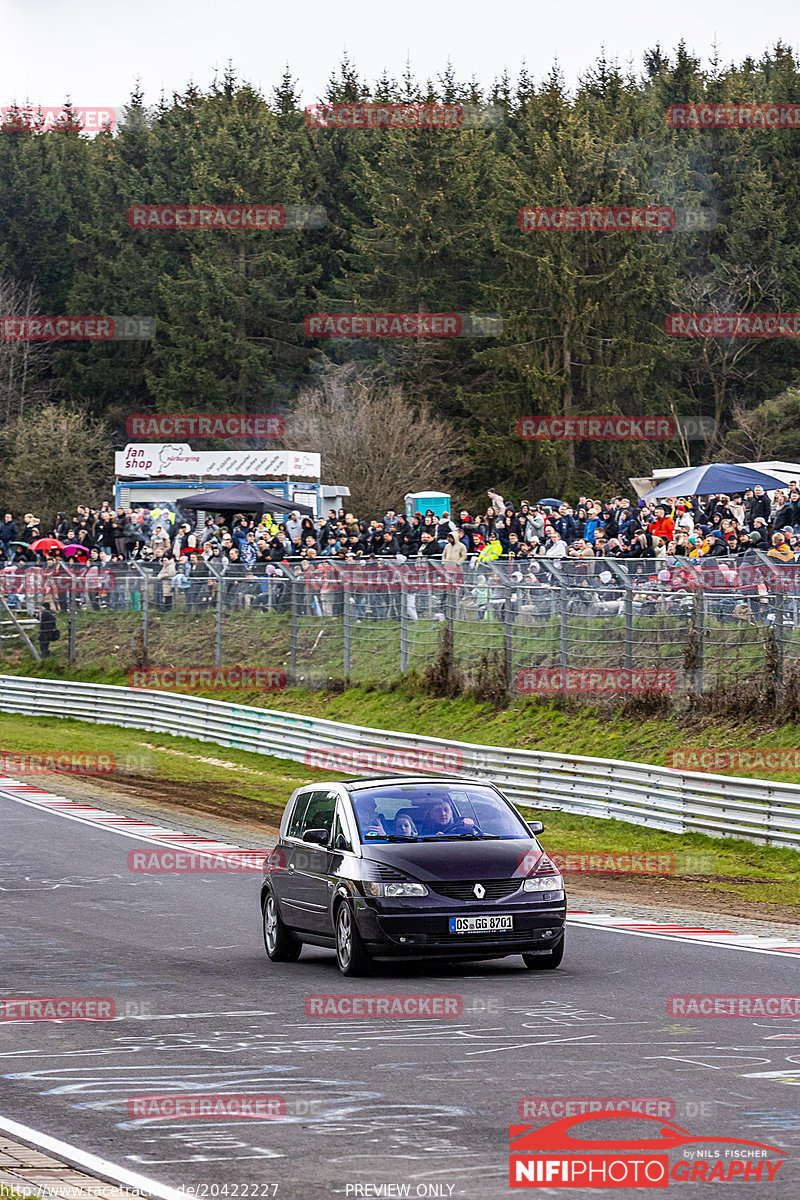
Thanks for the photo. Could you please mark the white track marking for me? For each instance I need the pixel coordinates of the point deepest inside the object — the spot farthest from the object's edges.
(100, 1167)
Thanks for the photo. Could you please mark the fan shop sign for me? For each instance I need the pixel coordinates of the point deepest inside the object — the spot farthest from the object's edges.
(147, 459)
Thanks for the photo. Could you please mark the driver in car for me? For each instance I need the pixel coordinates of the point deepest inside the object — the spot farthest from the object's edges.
(442, 819)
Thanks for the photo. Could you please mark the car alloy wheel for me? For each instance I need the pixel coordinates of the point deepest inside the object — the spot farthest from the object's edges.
(351, 953)
(279, 942)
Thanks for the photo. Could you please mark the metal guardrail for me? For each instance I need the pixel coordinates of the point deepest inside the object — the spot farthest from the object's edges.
(667, 799)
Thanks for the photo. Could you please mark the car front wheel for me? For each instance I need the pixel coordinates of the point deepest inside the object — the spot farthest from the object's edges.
(280, 943)
(545, 962)
(351, 953)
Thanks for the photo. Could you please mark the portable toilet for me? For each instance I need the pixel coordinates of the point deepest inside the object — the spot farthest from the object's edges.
(437, 502)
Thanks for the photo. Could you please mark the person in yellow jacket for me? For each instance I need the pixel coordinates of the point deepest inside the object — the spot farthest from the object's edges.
(490, 552)
(781, 550)
(700, 546)
(164, 515)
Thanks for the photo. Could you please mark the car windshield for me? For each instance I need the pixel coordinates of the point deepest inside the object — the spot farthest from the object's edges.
(425, 811)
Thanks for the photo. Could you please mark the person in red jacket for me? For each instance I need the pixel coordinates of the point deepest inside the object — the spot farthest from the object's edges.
(661, 526)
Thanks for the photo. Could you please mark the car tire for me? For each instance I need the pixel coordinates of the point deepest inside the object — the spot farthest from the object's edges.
(280, 943)
(351, 953)
(545, 962)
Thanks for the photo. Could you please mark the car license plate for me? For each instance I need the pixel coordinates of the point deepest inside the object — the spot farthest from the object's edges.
(493, 924)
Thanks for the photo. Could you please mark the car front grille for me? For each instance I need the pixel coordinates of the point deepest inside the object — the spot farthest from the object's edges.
(494, 889)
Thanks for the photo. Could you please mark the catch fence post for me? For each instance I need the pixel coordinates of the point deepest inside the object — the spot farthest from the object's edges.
(780, 646)
(218, 635)
(346, 631)
(628, 650)
(403, 625)
(508, 635)
(293, 632)
(72, 618)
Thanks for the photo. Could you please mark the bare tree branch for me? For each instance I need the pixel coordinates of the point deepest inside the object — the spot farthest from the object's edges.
(374, 439)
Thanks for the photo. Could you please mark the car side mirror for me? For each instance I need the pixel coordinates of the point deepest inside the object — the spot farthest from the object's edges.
(536, 826)
(318, 836)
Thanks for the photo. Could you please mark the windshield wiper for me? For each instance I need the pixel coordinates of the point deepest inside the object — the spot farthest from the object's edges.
(391, 837)
(456, 837)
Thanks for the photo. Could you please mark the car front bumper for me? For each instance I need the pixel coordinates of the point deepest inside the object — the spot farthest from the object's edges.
(426, 932)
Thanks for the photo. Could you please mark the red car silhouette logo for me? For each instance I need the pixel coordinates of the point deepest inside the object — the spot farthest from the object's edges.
(556, 1136)
(555, 1156)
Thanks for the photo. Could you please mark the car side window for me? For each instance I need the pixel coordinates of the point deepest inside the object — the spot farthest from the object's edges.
(341, 840)
(296, 826)
(316, 813)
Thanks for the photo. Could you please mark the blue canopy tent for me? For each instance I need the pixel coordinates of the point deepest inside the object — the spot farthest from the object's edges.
(712, 479)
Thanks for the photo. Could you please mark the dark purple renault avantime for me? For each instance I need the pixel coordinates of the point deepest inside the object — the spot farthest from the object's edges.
(411, 867)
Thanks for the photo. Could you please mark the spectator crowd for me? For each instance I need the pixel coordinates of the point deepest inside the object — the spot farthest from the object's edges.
(252, 559)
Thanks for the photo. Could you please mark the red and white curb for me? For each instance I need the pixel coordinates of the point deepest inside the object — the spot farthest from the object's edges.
(131, 827)
(101, 818)
(754, 942)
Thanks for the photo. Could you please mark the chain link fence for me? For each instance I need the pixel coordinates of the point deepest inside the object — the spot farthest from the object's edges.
(538, 624)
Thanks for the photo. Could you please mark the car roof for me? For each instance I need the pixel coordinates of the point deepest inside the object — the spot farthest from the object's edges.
(395, 780)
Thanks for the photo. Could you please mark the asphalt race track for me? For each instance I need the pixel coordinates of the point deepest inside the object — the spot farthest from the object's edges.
(380, 1104)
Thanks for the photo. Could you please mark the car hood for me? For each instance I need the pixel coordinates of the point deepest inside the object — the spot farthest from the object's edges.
(467, 859)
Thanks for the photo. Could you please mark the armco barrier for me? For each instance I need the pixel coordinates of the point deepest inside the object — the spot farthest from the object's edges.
(676, 801)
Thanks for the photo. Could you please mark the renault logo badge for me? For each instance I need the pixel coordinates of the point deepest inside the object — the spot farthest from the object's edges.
(479, 891)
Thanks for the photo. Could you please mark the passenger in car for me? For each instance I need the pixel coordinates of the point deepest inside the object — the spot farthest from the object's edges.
(370, 820)
(404, 826)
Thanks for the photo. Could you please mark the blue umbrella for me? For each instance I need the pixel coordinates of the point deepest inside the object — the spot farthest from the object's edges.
(712, 479)
(550, 500)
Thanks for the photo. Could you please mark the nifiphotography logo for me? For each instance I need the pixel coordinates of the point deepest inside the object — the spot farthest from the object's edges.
(556, 1155)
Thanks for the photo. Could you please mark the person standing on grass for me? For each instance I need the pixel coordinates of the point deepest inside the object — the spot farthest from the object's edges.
(47, 627)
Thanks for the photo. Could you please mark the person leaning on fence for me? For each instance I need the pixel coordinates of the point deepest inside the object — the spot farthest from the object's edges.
(454, 550)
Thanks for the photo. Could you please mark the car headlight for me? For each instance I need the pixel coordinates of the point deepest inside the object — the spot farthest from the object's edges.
(544, 883)
(396, 889)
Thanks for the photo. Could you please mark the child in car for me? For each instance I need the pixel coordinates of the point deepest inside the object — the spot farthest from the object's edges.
(404, 826)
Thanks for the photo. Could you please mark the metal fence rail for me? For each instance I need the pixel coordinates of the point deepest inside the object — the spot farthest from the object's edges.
(672, 800)
(704, 623)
